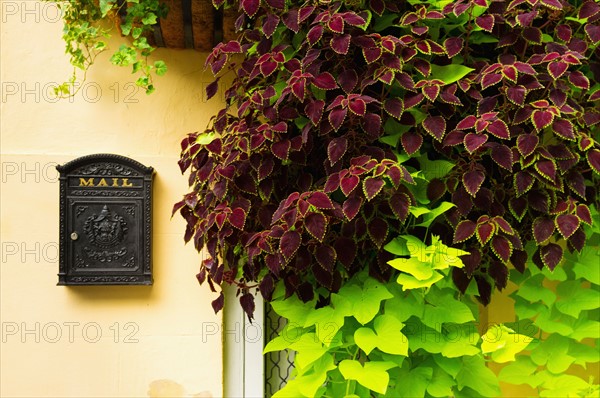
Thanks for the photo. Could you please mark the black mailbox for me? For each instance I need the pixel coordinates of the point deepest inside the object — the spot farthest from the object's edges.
(105, 221)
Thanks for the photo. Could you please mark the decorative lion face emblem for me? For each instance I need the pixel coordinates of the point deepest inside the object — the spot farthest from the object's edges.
(106, 229)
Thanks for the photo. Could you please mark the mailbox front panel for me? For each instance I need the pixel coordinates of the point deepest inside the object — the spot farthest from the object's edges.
(105, 221)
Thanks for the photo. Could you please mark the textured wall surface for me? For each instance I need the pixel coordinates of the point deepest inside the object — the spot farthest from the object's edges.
(128, 341)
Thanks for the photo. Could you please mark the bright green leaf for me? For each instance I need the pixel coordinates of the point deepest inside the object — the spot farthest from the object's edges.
(373, 375)
(449, 73)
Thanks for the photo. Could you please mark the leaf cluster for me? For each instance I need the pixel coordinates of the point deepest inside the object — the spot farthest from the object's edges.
(317, 158)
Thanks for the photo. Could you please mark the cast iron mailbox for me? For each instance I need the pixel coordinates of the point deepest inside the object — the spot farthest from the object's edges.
(105, 221)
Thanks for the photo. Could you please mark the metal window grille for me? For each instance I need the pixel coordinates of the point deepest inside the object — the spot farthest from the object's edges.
(278, 364)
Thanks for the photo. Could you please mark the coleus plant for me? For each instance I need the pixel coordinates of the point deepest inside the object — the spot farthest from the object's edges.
(297, 179)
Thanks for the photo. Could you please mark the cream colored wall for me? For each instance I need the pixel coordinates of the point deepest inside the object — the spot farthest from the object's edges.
(162, 340)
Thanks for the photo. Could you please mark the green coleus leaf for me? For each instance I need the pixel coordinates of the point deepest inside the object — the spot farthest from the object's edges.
(386, 336)
(293, 309)
(449, 73)
(434, 213)
(372, 375)
(366, 301)
(455, 341)
(503, 343)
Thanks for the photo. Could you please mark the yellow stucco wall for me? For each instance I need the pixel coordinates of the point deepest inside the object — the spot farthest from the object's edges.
(125, 341)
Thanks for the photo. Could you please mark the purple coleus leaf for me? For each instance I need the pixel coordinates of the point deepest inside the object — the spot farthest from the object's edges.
(474, 141)
(320, 201)
(250, 7)
(588, 9)
(593, 159)
(346, 251)
(502, 248)
(316, 225)
(503, 156)
(326, 257)
(314, 34)
(593, 32)
(378, 231)
(218, 303)
(372, 186)
(340, 44)
(453, 46)
(485, 22)
(557, 69)
(541, 118)
(547, 168)
(467, 123)
(472, 181)
(566, 224)
(336, 117)
(336, 149)
(349, 183)
(579, 80)
(325, 81)
(584, 214)
(411, 142)
(336, 23)
(499, 129)
(351, 207)
(484, 232)
(394, 107)
(436, 126)
(564, 129)
(527, 143)
(314, 111)
(237, 218)
(464, 230)
(516, 95)
(289, 244)
(543, 228)
(551, 255)
(400, 203)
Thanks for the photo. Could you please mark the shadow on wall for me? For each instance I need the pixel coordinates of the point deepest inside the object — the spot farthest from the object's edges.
(165, 388)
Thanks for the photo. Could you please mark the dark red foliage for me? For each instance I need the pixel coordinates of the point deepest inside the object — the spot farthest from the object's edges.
(290, 182)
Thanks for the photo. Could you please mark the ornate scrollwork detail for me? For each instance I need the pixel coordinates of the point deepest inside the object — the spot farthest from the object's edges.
(105, 256)
(107, 169)
(106, 229)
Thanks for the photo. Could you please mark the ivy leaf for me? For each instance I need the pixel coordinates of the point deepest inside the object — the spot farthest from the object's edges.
(386, 337)
(373, 375)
